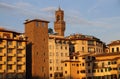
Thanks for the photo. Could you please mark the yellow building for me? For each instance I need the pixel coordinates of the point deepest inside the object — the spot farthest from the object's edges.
(12, 55)
(107, 66)
(78, 67)
(114, 46)
(61, 47)
(58, 52)
(86, 44)
(99, 66)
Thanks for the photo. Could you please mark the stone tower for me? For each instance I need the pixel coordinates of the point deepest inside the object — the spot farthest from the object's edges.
(36, 32)
(59, 24)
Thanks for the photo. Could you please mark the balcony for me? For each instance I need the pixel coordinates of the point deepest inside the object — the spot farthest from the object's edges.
(11, 62)
(20, 62)
(2, 71)
(20, 55)
(2, 46)
(11, 54)
(2, 54)
(21, 47)
(2, 62)
(11, 46)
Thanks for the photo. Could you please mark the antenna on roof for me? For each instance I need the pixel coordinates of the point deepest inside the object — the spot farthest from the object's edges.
(59, 4)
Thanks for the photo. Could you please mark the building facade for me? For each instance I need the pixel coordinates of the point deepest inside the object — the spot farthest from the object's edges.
(36, 32)
(86, 44)
(12, 55)
(113, 47)
(58, 52)
(101, 66)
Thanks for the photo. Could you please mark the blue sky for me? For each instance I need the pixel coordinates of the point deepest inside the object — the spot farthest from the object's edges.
(99, 18)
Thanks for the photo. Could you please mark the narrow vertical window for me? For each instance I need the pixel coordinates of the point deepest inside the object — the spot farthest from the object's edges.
(37, 24)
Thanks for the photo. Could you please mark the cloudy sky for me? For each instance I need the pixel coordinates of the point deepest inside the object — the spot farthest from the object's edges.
(99, 18)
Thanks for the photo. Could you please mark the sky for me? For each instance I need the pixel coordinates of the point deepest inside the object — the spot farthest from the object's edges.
(99, 18)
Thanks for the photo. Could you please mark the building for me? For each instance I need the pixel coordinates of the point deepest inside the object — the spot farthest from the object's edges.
(113, 47)
(61, 47)
(99, 66)
(86, 44)
(58, 52)
(37, 49)
(78, 67)
(59, 24)
(12, 55)
(58, 47)
(107, 66)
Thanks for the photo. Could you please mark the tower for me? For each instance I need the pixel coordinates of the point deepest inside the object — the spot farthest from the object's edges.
(37, 49)
(59, 24)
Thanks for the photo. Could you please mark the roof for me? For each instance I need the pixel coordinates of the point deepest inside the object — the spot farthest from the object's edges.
(117, 42)
(107, 54)
(57, 37)
(38, 20)
(6, 30)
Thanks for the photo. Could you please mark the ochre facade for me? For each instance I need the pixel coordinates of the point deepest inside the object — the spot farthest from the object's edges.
(37, 49)
(12, 55)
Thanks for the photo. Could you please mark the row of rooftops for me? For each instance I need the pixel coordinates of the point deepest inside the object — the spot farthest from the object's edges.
(71, 37)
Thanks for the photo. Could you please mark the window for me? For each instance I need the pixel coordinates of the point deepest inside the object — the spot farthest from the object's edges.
(83, 49)
(9, 50)
(50, 75)
(101, 70)
(19, 51)
(89, 71)
(65, 54)
(42, 69)
(82, 71)
(57, 68)
(117, 49)
(61, 47)
(19, 67)
(43, 24)
(9, 67)
(9, 58)
(0, 58)
(19, 59)
(88, 64)
(77, 71)
(82, 64)
(77, 65)
(50, 60)
(94, 71)
(50, 68)
(108, 63)
(105, 69)
(76, 57)
(112, 50)
(50, 53)
(66, 47)
(0, 50)
(109, 69)
(19, 43)
(9, 42)
(37, 24)
(65, 64)
(0, 66)
(57, 54)
(65, 72)
(90, 42)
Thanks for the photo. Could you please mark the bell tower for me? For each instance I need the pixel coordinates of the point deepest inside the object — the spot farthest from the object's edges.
(59, 24)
